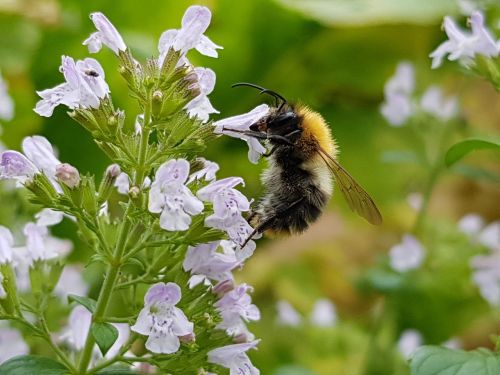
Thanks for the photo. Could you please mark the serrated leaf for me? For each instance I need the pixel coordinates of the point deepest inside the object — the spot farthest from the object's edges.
(105, 335)
(31, 364)
(435, 360)
(460, 149)
(86, 302)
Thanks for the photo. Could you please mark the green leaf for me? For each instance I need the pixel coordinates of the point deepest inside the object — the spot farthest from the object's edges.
(116, 370)
(31, 364)
(87, 302)
(105, 335)
(435, 360)
(460, 149)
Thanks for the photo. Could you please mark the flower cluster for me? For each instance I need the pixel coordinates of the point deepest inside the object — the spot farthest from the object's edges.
(323, 314)
(464, 46)
(486, 268)
(400, 104)
(174, 219)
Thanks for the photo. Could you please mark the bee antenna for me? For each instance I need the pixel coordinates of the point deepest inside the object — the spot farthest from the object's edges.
(263, 91)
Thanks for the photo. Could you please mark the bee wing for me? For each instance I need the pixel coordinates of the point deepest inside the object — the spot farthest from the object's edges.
(358, 199)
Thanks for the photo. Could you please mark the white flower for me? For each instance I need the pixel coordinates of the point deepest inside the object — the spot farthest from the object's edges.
(471, 224)
(234, 358)
(464, 46)
(242, 123)
(6, 244)
(398, 107)
(6, 102)
(75, 334)
(236, 308)
(39, 150)
(122, 183)
(205, 263)
(106, 34)
(161, 321)
(71, 282)
(194, 23)
(170, 197)
(434, 103)
(41, 246)
(287, 315)
(324, 313)
(3, 292)
(84, 87)
(11, 343)
(200, 106)
(409, 341)
(407, 255)
(48, 217)
(208, 171)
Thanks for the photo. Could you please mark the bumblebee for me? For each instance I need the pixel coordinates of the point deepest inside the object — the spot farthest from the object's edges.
(302, 159)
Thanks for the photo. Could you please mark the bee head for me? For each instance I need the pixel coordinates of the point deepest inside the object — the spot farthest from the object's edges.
(281, 120)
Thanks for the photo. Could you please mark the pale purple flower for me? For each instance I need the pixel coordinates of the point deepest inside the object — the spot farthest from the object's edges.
(407, 255)
(16, 166)
(490, 236)
(11, 343)
(161, 320)
(324, 313)
(200, 106)
(234, 358)
(122, 183)
(208, 171)
(206, 263)
(434, 103)
(71, 282)
(242, 123)
(106, 34)
(236, 308)
(194, 23)
(41, 246)
(6, 102)
(287, 315)
(409, 341)
(84, 87)
(398, 107)
(486, 276)
(6, 245)
(170, 197)
(228, 203)
(464, 46)
(48, 217)
(39, 150)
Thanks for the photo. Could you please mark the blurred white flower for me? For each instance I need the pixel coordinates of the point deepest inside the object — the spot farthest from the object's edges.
(471, 224)
(6, 102)
(75, 333)
(324, 313)
(287, 315)
(48, 217)
(6, 245)
(409, 341)
(71, 282)
(434, 103)
(415, 200)
(11, 343)
(407, 255)
(452, 343)
(398, 107)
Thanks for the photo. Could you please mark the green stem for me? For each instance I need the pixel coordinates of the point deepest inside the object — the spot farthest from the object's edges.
(107, 288)
(47, 337)
(427, 194)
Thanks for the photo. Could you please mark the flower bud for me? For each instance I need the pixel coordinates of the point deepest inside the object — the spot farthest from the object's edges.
(134, 192)
(189, 338)
(157, 102)
(108, 182)
(68, 175)
(223, 287)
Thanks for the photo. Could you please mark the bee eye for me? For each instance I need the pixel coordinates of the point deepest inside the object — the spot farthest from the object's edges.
(287, 118)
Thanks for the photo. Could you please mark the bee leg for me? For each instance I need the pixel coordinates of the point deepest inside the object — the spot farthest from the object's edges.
(283, 138)
(280, 211)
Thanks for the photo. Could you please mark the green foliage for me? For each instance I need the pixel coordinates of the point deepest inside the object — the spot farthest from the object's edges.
(86, 302)
(31, 364)
(432, 360)
(104, 335)
(459, 150)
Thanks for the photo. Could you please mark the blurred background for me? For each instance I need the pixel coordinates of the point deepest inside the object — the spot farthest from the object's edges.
(335, 56)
